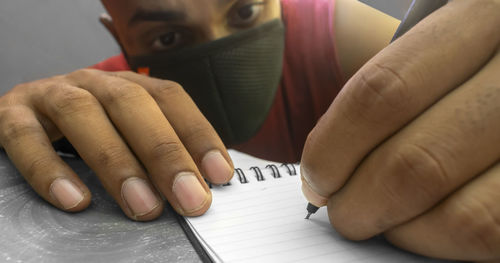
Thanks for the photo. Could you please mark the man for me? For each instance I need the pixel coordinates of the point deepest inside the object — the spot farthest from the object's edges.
(408, 148)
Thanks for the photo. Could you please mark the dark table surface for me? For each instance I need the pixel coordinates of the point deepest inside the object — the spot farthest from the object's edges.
(41, 39)
(34, 231)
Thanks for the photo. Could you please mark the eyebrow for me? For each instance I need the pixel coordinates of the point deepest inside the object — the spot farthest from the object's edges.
(156, 15)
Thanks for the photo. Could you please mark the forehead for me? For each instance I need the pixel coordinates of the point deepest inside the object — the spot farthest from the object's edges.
(126, 9)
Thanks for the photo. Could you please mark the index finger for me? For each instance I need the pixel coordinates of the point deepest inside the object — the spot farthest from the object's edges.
(397, 85)
(194, 130)
(140, 122)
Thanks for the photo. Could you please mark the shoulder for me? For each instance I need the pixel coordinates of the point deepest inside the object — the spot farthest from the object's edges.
(360, 32)
(115, 63)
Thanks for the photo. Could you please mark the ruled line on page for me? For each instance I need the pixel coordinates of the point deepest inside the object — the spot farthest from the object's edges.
(264, 221)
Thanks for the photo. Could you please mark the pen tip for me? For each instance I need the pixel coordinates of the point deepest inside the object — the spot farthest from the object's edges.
(308, 215)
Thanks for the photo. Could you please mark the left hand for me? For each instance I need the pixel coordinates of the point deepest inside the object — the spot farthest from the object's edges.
(411, 146)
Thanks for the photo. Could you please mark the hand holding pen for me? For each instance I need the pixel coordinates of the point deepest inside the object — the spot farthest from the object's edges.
(409, 148)
(418, 10)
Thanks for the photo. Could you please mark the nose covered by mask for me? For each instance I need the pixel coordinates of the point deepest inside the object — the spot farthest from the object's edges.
(232, 80)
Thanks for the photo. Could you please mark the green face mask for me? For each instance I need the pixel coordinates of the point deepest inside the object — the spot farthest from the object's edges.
(232, 80)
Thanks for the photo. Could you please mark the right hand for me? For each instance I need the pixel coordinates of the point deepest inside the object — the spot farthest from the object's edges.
(143, 137)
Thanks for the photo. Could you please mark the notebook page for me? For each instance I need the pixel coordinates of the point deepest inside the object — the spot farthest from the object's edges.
(263, 221)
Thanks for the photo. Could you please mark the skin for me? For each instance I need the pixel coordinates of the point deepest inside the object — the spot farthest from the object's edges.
(139, 32)
(409, 148)
(358, 40)
(140, 154)
(421, 132)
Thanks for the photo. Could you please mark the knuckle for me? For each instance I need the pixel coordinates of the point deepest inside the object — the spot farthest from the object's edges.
(198, 132)
(313, 145)
(9, 114)
(493, 5)
(21, 93)
(166, 89)
(480, 226)
(18, 95)
(415, 171)
(36, 171)
(308, 149)
(380, 89)
(167, 150)
(20, 87)
(65, 99)
(15, 125)
(111, 156)
(316, 165)
(318, 141)
(119, 92)
(82, 73)
(115, 160)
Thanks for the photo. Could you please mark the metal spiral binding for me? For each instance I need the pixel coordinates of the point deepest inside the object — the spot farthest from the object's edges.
(291, 168)
(241, 176)
(210, 185)
(275, 170)
(258, 173)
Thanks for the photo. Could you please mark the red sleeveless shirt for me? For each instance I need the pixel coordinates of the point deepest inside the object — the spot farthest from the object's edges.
(310, 81)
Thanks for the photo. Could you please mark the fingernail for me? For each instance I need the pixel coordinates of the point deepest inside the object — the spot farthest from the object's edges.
(189, 192)
(311, 196)
(138, 196)
(216, 167)
(67, 193)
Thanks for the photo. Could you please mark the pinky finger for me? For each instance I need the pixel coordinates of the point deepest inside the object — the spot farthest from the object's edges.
(466, 226)
(29, 148)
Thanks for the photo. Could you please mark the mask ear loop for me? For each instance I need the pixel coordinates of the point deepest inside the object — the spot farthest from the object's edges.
(107, 22)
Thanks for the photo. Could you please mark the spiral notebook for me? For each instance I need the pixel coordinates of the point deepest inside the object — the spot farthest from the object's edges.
(259, 217)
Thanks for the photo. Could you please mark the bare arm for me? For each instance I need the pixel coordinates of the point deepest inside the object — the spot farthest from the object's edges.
(361, 32)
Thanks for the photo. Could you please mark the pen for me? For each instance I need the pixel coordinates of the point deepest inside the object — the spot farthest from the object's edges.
(311, 209)
(419, 9)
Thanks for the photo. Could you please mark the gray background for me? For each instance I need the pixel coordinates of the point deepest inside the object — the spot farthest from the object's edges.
(40, 38)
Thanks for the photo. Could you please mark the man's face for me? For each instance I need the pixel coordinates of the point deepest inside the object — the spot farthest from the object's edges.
(149, 26)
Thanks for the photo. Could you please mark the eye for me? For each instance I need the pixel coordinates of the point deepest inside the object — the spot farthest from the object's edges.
(246, 15)
(167, 41)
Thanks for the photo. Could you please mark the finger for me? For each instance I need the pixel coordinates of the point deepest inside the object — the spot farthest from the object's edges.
(29, 148)
(194, 130)
(151, 137)
(79, 116)
(430, 158)
(463, 227)
(313, 198)
(398, 84)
